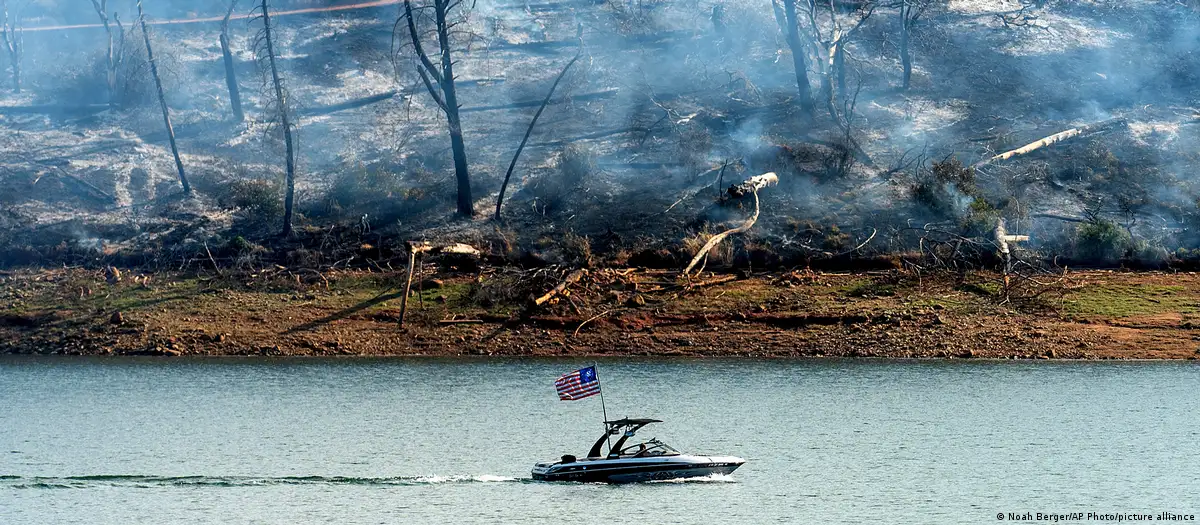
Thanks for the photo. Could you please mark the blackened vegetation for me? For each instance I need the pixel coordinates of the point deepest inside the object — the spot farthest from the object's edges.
(634, 124)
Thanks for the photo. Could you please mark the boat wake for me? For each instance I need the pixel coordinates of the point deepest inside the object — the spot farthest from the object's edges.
(714, 478)
(138, 481)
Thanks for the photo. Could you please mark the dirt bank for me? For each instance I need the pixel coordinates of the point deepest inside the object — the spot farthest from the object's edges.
(1097, 315)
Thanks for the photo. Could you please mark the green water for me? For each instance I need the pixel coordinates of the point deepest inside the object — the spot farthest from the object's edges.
(119, 441)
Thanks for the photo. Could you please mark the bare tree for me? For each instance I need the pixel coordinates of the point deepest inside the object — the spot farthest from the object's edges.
(162, 100)
(798, 52)
(116, 47)
(267, 47)
(910, 12)
(829, 38)
(235, 95)
(10, 37)
(444, 93)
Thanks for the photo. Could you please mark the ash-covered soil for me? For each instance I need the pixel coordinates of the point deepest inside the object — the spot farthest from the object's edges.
(663, 110)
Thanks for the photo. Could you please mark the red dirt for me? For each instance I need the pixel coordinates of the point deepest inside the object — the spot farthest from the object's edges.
(74, 313)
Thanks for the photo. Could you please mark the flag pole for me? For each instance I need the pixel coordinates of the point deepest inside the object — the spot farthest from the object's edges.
(607, 436)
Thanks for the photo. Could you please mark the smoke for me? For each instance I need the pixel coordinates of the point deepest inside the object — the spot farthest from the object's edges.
(667, 90)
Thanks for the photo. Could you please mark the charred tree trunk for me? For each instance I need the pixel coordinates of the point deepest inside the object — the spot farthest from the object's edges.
(14, 58)
(465, 205)
(16, 71)
(529, 131)
(235, 95)
(290, 185)
(458, 146)
(110, 66)
(827, 94)
(798, 62)
(162, 101)
(445, 94)
(12, 45)
(839, 68)
(905, 55)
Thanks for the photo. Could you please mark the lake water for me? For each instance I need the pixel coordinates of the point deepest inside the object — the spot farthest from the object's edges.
(224, 441)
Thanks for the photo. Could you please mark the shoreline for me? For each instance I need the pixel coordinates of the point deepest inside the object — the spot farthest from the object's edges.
(1103, 315)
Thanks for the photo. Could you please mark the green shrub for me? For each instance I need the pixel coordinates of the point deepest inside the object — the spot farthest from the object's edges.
(1101, 241)
(981, 218)
(941, 189)
(258, 198)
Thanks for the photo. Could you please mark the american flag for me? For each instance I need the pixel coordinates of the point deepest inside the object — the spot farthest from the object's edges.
(578, 384)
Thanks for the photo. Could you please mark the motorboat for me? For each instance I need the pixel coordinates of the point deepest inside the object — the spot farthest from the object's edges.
(649, 460)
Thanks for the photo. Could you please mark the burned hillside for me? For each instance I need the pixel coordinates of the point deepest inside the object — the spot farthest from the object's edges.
(901, 132)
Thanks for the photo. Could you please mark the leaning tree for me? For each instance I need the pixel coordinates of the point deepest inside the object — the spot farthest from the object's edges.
(265, 48)
(162, 101)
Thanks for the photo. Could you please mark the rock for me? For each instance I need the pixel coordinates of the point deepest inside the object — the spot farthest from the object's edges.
(117, 318)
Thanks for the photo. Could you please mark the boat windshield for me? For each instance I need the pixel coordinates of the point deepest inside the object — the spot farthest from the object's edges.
(651, 448)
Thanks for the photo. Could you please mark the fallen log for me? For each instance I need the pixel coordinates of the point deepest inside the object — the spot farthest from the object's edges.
(607, 93)
(753, 185)
(350, 104)
(572, 278)
(1063, 218)
(87, 187)
(1102, 126)
(456, 248)
(54, 109)
(712, 282)
(590, 319)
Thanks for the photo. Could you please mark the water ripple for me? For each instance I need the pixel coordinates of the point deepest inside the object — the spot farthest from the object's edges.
(132, 480)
